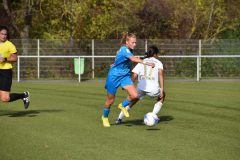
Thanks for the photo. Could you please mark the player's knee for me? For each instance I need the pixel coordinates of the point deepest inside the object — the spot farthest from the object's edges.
(109, 102)
(5, 99)
(134, 96)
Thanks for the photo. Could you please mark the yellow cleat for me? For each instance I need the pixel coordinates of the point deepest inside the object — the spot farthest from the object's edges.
(125, 112)
(105, 122)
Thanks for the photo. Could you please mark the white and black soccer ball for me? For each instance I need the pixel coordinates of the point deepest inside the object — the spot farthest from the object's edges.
(150, 119)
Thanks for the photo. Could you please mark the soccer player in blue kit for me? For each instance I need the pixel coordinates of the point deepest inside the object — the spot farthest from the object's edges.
(120, 75)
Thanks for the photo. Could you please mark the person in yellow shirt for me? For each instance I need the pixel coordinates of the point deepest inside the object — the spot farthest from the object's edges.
(8, 55)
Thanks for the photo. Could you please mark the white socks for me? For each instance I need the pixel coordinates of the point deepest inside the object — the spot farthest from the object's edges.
(121, 115)
(157, 107)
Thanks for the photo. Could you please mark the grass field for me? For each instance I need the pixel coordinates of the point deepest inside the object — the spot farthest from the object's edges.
(199, 121)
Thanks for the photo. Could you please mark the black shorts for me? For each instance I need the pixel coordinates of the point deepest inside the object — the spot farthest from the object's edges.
(5, 79)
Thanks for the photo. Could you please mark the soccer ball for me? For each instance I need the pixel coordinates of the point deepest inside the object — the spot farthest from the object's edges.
(150, 119)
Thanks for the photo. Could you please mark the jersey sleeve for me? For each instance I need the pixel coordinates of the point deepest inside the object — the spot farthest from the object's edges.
(160, 65)
(128, 53)
(12, 48)
(137, 68)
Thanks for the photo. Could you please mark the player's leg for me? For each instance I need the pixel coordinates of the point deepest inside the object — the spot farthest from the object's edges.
(141, 94)
(157, 107)
(128, 85)
(11, 97)
(5, 87)
(128, 108)
(132, 95)
(111, 91)
(106, 109)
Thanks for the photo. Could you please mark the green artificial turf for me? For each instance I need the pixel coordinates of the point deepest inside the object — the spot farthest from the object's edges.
(198, 121)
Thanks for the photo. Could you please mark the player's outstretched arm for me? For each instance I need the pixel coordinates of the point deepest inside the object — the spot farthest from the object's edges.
(138, 60)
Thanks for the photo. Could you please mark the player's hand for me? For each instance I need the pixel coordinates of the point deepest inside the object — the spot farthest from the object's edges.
(162, 96)
(2, 59)
(150, 64)
(111, 65)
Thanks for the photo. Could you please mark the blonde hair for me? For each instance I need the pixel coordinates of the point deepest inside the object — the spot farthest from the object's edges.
(126, 36)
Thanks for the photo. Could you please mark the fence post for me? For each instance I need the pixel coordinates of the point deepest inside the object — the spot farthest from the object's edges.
(38, 59)
(93, 63)
(146, 45)
(79, 69)
(18, 69)
(199, 60)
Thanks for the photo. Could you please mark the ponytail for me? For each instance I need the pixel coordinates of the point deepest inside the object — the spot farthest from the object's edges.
(151, 51)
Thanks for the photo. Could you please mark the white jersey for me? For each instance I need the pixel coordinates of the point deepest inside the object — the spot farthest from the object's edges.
(148, 78)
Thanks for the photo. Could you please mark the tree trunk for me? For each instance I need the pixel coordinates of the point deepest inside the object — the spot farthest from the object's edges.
(6, 7)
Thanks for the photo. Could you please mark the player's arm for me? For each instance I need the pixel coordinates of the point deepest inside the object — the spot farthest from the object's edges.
(138, 60)
(134, 76)
(161, 83)
(11, 58)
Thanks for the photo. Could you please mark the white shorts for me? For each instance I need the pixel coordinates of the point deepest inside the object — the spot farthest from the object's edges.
(152, 94)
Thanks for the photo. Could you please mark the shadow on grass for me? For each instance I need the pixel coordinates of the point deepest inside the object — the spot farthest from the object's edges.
(153, 129)
(130, 123)
(165, 118)
(27, 113)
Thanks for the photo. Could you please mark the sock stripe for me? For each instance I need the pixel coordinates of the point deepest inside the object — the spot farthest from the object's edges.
(126, 102)
(106, 112)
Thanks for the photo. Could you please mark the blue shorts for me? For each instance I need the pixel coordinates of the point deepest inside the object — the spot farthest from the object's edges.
(113, 82)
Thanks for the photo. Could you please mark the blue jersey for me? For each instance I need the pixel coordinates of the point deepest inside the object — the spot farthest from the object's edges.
(122, 64)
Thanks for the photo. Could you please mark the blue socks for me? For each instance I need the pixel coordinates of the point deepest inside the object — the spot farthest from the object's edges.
(106, 112)
(126, 102)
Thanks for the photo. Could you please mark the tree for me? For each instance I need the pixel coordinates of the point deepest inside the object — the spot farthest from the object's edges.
(21, 19)
(154, 20)
(203, 19)
(100, 19)
(104, 19)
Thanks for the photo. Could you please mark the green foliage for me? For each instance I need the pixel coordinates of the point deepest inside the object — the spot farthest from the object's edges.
(100, 19)
(104, 19)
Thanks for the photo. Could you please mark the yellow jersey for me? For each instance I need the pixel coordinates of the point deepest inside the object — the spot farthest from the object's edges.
(6, 49)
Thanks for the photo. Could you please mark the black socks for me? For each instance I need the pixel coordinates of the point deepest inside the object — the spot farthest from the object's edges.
(16, 96)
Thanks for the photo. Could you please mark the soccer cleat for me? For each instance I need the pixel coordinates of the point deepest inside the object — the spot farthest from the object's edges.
(105, 122)
(125, 112)
(118, 121)
(26, 100)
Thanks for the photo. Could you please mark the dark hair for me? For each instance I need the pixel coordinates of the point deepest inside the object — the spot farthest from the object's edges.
(126, 36)
(4, 28)
(152, 50)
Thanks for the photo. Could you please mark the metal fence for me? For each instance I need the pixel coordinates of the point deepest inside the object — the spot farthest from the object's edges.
(182, 59)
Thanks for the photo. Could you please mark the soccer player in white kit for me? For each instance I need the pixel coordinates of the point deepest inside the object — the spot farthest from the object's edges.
(150, 81)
